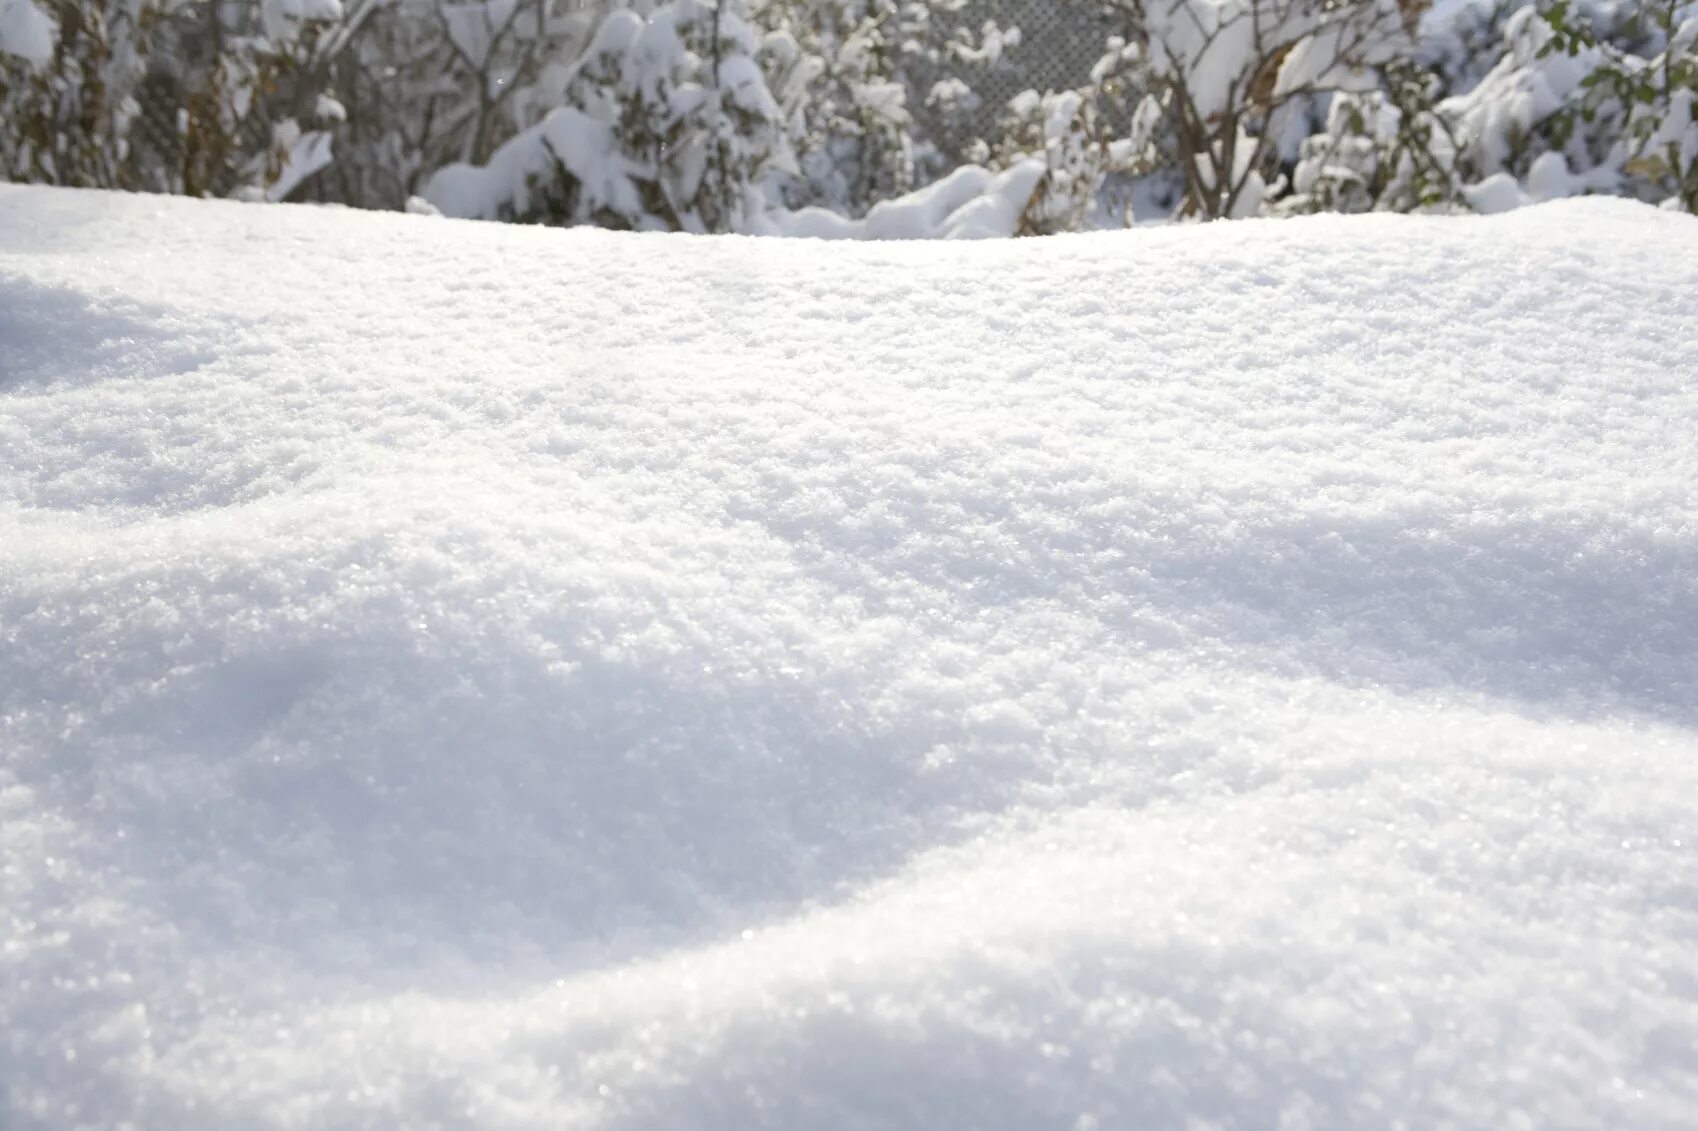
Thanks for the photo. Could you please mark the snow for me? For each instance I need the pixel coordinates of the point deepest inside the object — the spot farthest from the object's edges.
(25, 31)
(463, 675)
(308, 152)
(524, 165)
(279, 12)
(1549, 178)
(969, 203)
(1497, 193)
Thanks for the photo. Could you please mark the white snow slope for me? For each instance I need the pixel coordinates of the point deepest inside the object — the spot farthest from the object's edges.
(459, 675)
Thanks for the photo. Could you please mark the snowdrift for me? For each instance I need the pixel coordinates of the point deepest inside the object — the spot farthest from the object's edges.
(457, 675)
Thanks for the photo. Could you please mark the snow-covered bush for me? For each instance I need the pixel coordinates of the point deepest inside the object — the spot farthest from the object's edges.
(886, 108)
(1460, 47)
(1226, 76)
(668, 124)
(856, 135)
(253, 118)
(1063, 130)
(1586, 102)
(433, 82)
(68, 77)
(1070, 133)
(242, 82)
(1595, 101)
(1386, 149)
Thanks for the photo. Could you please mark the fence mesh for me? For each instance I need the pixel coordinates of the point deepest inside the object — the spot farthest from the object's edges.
(1059, 43)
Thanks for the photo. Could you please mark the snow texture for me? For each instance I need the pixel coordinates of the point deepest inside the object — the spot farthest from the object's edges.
(462, 675)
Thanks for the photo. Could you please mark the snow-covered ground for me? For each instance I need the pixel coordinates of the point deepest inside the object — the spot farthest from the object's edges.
(457, 675)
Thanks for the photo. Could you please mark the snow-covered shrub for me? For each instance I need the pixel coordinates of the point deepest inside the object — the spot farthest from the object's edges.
(433, 82)
(1586, 102)
(886, 108)
(703, 118)
(1225, 76)
(1459, 48)
(242, 82)
(1385, 149)
(253, 120)
(939, 45)
(1104, 133)
(1662, 96)
(856, 136)
(1062, 130)
(68, 77)
(668, 124)
(1070, 133)
(1594, 101)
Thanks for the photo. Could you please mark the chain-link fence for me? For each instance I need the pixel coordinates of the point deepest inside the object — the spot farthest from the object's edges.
(1060, 40)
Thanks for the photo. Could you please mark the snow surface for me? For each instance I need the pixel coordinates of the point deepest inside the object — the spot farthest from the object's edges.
(458, 675)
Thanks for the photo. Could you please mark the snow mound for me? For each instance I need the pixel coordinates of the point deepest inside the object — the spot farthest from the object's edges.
(457, 675)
